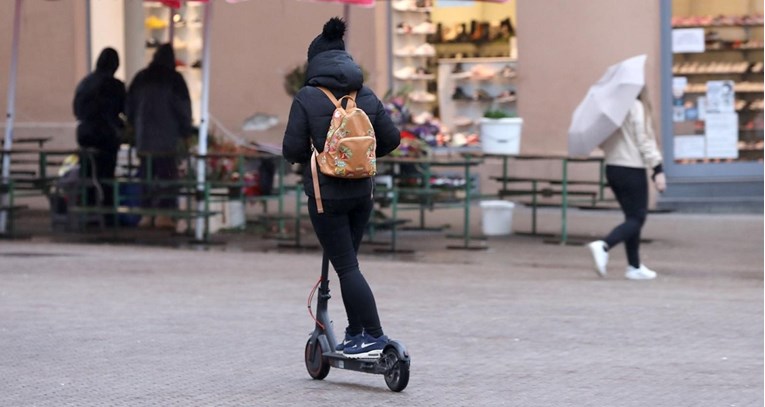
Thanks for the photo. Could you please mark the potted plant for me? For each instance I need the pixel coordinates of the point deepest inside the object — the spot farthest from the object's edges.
(500, 132)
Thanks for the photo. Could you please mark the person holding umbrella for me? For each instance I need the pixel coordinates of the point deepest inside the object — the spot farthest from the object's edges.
(628, 152)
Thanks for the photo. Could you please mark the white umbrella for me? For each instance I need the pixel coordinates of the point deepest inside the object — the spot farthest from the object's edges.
(606, 105)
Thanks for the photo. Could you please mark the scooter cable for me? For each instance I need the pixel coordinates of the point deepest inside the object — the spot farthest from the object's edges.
(310, 300)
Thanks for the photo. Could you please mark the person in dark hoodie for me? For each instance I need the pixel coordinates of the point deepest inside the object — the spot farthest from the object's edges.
(159, 109)
(347, 202)
(99, 101)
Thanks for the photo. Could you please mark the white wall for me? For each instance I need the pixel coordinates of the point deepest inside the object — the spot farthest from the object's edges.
(107, 29)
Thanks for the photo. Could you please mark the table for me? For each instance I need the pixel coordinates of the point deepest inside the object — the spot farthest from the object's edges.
(465, 162)
(564, 182)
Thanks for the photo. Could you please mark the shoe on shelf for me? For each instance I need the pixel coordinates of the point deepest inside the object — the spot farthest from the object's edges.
(508, 72)
(422, 97)
(482, 95)
(640, 273)
(425, 50)
(405, 51)
(507, 96)
(146, 222)
(349, 341)
(425, 27)
(460, 94)
(164, 222)
(599, 256)
(404, 73)
(403, 5)
(367, 347)
(423, 73)
(403, 28)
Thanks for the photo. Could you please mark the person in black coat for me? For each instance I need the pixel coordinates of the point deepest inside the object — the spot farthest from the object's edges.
(347, 203)
(98, 104)
(159, 109)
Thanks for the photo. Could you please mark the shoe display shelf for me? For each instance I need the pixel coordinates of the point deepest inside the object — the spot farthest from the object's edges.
(483, 39)
(468, 88)
(184, 27)
(733, 51)
(413, 59)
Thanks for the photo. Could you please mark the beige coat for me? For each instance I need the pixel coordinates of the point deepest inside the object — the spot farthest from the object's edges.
(633, 144)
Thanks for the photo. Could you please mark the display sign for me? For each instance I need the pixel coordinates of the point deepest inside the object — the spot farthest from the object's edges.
(721, 133)
(691, 146)
(688, 40)
(678, 90)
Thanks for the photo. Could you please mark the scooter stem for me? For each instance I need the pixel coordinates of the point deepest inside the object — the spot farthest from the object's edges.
(322, 315)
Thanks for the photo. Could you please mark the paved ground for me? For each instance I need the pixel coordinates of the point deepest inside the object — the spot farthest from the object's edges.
(523, 323)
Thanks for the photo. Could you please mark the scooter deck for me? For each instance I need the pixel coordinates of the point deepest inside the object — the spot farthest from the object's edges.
(368, 365)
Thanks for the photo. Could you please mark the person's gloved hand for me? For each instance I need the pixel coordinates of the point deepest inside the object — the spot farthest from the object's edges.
(660, 181)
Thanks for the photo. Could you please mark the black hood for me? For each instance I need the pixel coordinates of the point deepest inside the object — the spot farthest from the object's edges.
(164, 56)
(334, 69)
(108, 61)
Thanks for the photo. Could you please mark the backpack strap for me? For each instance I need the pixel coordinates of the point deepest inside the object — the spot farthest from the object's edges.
(338, 102)
(316, 189)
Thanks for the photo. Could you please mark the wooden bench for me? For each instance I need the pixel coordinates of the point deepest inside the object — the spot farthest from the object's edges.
(552, 186)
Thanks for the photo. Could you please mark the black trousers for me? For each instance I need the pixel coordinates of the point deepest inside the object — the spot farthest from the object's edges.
(630, 187)
(340, 229)
(161, 195)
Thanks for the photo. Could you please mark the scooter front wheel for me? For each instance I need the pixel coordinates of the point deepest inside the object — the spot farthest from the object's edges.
(315, 362)
(397, 374)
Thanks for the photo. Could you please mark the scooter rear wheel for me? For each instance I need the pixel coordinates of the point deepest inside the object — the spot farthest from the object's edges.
(397, 376)
(315, 362)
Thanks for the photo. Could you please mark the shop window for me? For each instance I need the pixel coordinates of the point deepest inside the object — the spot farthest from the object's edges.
(717, 86)
(454, 61)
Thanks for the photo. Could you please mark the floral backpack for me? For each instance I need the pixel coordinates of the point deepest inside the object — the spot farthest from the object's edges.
(349, 151)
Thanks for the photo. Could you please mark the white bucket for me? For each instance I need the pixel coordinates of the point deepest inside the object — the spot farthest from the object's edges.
(501, 136)
(497, 217)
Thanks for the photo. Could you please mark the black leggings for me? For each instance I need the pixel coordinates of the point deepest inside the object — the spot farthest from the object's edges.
(340, 229)
(631, 190)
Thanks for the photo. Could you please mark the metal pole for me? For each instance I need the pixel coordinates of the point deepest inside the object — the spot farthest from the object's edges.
(564, 204)
(204, 120)
(347, 19)
(6, 171)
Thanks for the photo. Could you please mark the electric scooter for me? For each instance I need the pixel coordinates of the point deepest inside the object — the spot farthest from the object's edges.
(393, 363)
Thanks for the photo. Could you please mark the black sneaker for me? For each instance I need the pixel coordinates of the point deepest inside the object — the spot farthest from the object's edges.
(459, 94)
(348, 341)
(367, 347)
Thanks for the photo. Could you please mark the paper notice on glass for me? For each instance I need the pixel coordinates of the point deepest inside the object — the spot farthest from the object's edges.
(721, 97)
(687, 40)
(721, 132)
(701, 103)
(679, 83)
(689, 147)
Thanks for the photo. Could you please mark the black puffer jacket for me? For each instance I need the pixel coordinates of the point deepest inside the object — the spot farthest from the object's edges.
(311, 113)
(98, 101)
(158, 104)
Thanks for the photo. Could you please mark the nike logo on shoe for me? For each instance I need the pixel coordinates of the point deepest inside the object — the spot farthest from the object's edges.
(366, 345)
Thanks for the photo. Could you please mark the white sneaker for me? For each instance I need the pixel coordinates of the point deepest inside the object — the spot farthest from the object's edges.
(599, 256)
(641, 273)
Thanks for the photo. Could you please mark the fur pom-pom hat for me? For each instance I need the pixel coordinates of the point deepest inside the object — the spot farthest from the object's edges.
(331, 37)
